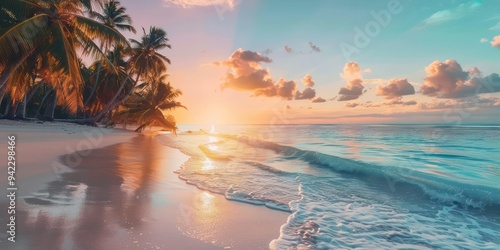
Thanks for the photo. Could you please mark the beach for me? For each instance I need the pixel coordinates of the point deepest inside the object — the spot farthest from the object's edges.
(226, 124)
(81, 187)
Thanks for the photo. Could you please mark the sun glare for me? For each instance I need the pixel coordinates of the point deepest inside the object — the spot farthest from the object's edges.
(207, 165)
(213, 147)
(212, 139)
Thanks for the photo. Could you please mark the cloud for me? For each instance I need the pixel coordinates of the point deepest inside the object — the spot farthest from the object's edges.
(318, 100)
(447, 15)
(308, 81)
(462, 104)
(352, 91)
(288, 49)
(474, 71)
(496, 26)
(399, 102)
(351, 105)
(244, 62)
(283, 89)
(495, 42)
(438, 105)
(308, 93)
(201, 3)
(267, 52)
(247, 74)
(351, 70)
(484, 40)
(367, 70)
(288, 107)
(314, 47)
(395, 88)
(259, 79)
(448, 80)
(391, 103)
(354, 88)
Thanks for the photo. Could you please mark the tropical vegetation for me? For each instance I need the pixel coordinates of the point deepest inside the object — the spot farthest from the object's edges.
(69, 60)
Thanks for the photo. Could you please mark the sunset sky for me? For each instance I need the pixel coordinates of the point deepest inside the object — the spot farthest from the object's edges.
(370, 62)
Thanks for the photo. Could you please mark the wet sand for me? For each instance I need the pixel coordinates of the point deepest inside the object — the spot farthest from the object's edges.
(126, 196)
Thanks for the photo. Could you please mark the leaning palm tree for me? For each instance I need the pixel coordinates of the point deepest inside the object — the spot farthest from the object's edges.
(145, 62)
(114, 16)
(57, 29)
(112, 72)
(145, 107)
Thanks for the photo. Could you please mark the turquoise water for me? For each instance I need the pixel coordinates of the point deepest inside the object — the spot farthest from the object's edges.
(389, 187)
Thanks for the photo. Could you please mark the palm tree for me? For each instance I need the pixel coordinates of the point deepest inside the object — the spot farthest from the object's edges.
(58, 29)
(145, 62)
(145, 107)
(112, 72)
(114, 16)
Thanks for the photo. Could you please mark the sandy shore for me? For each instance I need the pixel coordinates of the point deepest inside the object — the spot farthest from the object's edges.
(90, 188)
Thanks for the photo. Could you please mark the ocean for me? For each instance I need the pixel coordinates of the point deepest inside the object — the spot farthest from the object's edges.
(356, 186)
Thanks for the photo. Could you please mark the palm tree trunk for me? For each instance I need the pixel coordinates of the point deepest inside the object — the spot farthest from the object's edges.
(11, 114)
(27, 97)
(7, 108)
(33, 92)
(110, 106)
(41, 103)
(93, 87)
(49, 112)
(21, 108)
(2, 93)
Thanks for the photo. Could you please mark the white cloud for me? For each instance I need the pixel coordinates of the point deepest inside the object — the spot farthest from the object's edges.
(443, 16)
(496, 26)
(201, 3)
(484, 40)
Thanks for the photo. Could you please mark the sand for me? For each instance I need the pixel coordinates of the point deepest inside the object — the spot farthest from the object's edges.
(120, 192)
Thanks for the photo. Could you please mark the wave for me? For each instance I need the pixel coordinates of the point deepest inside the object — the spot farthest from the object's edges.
(436, 187)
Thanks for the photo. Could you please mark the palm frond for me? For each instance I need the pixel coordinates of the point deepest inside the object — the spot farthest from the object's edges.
(15, 42)
(94, 29)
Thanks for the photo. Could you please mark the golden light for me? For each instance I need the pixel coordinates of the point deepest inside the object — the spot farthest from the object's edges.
(212, 139)
(213, 147)
(207, 165)
(207, 201)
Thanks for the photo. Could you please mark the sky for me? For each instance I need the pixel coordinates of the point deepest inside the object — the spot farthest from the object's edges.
(330, 61)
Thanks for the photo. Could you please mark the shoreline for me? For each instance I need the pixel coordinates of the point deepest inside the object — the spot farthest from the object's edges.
(194, 218)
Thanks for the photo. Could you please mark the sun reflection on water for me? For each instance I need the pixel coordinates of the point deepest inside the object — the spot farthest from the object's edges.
(212, 139)
(206, 199)
(207, 164)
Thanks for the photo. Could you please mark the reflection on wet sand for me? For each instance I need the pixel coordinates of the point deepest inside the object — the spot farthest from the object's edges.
(127, 196)
(104, 203)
